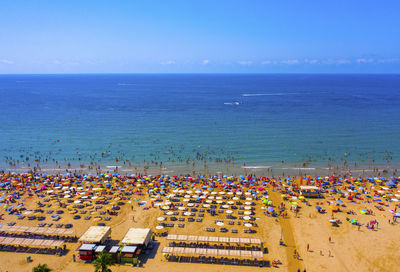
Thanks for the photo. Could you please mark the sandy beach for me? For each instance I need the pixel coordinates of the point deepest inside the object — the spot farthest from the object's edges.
(343, 248)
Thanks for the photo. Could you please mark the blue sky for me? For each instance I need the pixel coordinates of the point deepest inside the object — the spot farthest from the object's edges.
(200, 36)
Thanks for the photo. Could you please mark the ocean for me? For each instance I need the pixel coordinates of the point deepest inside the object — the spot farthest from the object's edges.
(251, 121)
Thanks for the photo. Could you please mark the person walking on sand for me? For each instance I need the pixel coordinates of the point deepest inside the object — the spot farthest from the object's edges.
(308, 247)
(330, 240)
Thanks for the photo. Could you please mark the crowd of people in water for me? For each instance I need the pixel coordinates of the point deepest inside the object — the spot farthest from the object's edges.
(194, 160)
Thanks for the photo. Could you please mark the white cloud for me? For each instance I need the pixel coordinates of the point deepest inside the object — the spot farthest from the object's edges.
(245, 62)
(311, 61)
(6, 61)
(168, 62)
(73, 63)
(266, 62)
(205, 62)
(290, 62)
(363, 60)
(57, 62)
(338, 61)
(391, 60)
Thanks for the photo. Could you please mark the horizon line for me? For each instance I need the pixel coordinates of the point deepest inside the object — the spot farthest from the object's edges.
(205, 73)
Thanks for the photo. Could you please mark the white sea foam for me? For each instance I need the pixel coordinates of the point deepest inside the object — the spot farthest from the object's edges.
(125, 84)
(257, 167)
(299, 168)
(268, 94)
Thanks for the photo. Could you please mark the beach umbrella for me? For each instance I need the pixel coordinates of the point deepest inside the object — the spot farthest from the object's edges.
(318, 207)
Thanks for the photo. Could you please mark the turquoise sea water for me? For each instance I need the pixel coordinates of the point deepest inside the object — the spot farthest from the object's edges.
(174, 118)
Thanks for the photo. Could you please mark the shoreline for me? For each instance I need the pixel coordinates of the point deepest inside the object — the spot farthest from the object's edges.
(257, 169)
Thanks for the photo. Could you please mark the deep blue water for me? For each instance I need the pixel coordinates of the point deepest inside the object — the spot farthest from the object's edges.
(161, 117)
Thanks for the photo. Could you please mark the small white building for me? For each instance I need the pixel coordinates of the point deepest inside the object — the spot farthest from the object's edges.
(137, 237)
(96, 235)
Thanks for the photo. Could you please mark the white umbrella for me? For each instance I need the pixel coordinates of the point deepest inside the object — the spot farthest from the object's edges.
(161, 218)
(248, 225)
(246, 217)
(220, 224)
(229, 211)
